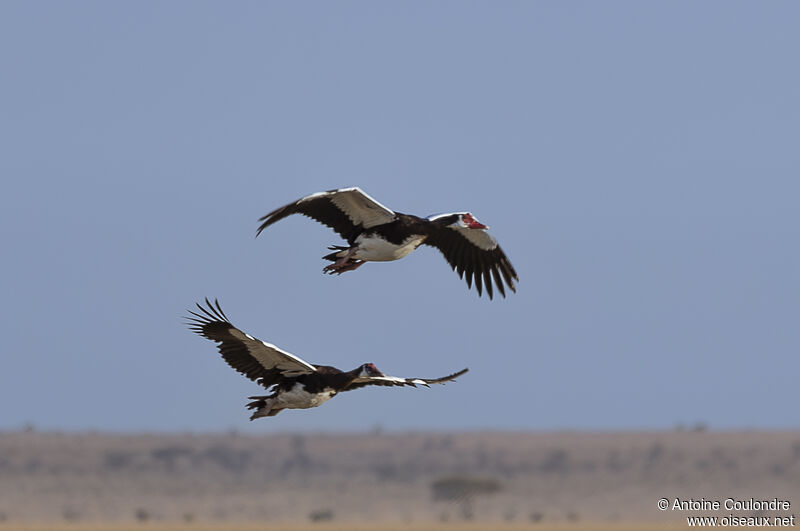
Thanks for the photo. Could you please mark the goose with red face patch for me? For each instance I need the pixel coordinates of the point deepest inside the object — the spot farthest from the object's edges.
(375, 233)
(292, 382)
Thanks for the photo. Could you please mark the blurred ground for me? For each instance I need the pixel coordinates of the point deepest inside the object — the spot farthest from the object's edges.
(522, 479)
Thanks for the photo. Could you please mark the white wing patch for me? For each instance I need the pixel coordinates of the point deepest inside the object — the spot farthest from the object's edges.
(360, 207)
(271, 357)
(393, 380)
(480, 238)
(434, 217)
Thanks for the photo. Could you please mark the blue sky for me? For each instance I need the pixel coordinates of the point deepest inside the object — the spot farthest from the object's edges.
(638, 161)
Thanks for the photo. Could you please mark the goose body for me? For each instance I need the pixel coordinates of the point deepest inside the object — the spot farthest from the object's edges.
(375, 233)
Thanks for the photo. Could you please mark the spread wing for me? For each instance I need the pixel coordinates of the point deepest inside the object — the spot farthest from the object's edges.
(395, 381)
(257, 360)
(348, 211)
(475, 252)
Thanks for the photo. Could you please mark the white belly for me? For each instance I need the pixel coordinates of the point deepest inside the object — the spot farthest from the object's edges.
(299, 398)
(376, 249)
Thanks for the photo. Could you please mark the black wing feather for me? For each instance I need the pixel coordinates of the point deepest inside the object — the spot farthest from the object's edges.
(477, 276)
(412, 382)
(498, 281)
(213, 324)
(321, 209)
(487, 277)
(473, 263)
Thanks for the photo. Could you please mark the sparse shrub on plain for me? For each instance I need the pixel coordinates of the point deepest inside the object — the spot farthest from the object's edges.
(228, 458)
(614, 461)
(170, 456)
(70, 514)
(321, 515)
(386, 472)
(555, 462)
(655, 453)
(118, 460)
(142, 515)
(796, 450)
(463, 490)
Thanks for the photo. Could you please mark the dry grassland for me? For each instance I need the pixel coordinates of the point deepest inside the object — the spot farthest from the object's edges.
(198, 482)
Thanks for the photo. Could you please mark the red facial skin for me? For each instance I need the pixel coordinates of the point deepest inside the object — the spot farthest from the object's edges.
(471, 222)
(373, 370)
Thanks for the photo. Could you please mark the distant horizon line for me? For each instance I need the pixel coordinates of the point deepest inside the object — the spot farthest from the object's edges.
(692, 429)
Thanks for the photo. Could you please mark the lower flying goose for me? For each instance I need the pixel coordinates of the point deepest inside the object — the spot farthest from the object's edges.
(375, 233)
(294, 383)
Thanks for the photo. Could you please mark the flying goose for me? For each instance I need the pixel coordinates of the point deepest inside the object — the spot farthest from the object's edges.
(294, 383)
(375, 233)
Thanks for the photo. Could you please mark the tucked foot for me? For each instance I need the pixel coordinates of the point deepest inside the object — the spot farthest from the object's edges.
(350, 265)
(263, 407)
(342, 264)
